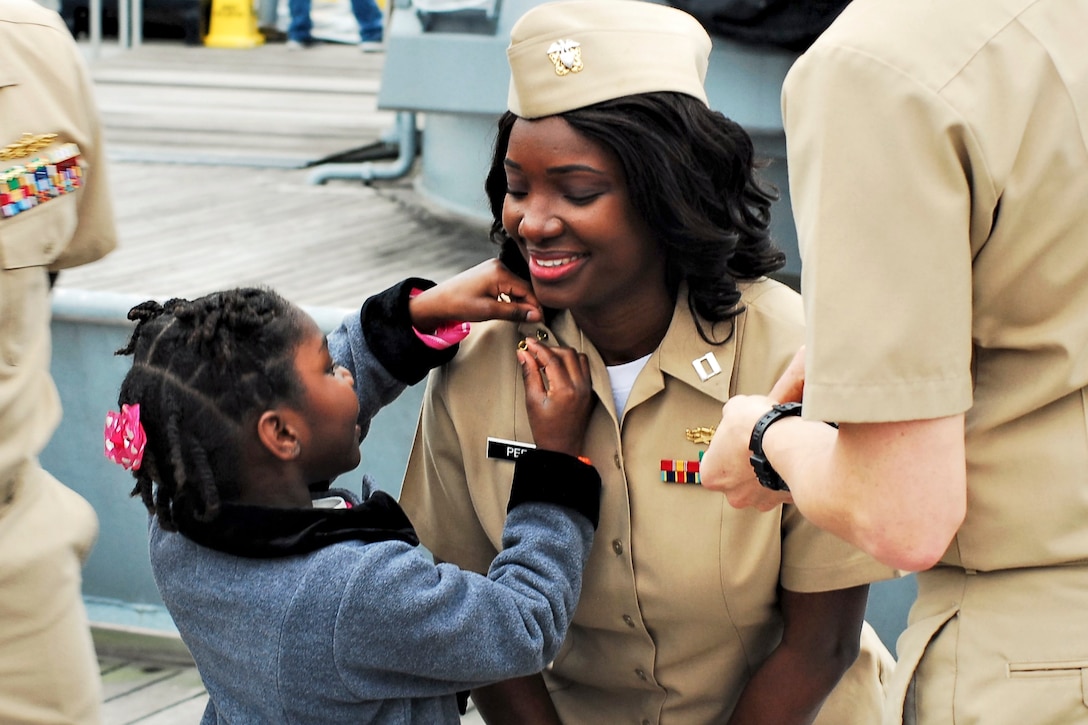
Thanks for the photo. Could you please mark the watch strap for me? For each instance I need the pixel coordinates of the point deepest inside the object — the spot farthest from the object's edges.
(765, 473)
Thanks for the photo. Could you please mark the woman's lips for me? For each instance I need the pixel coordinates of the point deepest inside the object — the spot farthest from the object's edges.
(554, 267)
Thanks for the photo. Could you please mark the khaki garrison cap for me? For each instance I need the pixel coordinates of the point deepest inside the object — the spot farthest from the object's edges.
(574, 53)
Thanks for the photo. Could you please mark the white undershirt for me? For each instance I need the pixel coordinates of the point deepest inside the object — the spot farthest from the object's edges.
(330, 502)
(622, 378)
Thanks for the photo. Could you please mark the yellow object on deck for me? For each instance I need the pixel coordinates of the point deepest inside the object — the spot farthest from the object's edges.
(233, 24)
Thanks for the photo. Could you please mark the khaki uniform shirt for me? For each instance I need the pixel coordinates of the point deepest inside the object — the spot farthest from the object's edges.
(43, 107)
(46, 530)
(679, 602)
(939, 179)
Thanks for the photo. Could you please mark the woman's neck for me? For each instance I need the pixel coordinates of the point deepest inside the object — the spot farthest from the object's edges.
(622, 333)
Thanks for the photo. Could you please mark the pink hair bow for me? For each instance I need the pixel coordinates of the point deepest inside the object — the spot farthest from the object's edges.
(125, 438)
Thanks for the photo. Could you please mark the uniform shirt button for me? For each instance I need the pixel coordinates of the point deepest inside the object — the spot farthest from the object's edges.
(542, 335)
(641, 674)
(628, 621)
(616, 460)
(617, 546)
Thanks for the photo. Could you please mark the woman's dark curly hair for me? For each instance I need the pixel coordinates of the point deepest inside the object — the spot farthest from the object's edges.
(691, 174)
(202, 371)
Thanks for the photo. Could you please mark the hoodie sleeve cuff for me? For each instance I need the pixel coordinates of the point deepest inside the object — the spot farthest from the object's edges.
(387, 327)
(549, 477)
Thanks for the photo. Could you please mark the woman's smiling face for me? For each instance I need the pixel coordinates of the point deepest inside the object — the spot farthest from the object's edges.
(568, 209)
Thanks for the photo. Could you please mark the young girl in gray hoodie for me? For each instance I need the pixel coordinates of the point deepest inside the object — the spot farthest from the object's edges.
(306, 604)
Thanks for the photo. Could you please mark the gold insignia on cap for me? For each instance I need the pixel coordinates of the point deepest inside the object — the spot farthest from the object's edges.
(566, 55)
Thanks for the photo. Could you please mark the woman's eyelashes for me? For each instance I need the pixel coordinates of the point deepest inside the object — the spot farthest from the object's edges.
(584, 198)
(579, 198)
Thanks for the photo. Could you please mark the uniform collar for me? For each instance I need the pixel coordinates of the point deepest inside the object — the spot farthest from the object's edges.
(676, 356)
(683, 349)
(10, 75)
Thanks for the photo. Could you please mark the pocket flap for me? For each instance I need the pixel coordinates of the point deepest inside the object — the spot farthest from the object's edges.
(909, 649)
(36, 237)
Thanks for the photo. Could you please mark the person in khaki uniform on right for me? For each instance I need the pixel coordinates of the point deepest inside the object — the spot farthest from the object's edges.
(637, 214)
(938, 157)
(55, 212)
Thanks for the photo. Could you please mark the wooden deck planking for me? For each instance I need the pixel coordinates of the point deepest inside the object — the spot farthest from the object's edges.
(182, 234)
(188, 225)
(185, 712)
(239, 104)
(135, 691)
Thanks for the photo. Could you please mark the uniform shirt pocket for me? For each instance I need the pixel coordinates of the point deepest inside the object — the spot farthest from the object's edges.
(29, 242)
(37, 236)
(24, 311)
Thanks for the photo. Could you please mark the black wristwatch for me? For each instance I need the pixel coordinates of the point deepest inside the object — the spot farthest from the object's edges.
(768, 477)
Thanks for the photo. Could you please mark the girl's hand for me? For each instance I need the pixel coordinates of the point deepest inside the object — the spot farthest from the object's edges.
(558, 395)
(488, 291)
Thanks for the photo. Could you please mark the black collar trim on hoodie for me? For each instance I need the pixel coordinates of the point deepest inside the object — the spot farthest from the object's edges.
(265, 532)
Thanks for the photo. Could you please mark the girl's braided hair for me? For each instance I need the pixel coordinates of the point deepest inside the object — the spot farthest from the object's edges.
(692, 175)
(202, 371)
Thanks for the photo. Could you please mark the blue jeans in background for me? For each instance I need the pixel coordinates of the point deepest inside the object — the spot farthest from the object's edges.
(366, 12)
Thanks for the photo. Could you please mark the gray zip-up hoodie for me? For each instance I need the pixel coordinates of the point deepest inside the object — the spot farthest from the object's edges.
(311, 621)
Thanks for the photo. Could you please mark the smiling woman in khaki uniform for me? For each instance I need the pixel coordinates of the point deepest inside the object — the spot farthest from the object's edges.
(634, 210)
(938, 158)
(54, 213)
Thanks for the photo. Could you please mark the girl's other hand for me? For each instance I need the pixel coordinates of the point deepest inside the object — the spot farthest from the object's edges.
(558, 395)
(488, 291)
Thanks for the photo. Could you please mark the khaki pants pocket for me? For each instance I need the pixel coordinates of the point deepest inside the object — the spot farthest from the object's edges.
(1075, 671)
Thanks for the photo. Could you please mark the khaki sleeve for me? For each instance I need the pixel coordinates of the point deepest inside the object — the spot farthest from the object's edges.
(882, 202)
(96, 233)
(436, 494)
(815, 561)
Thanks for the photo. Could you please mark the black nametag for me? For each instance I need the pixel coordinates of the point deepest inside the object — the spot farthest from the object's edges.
(506, 450)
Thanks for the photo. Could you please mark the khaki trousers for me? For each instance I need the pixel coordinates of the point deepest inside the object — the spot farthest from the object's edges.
(48, 668)
(1002, 648)
(860, 692)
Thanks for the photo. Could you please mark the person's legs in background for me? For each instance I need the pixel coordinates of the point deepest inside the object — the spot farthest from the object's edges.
(267, 17)
(300, 29)
(370, 19)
